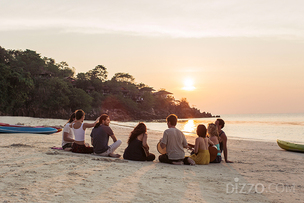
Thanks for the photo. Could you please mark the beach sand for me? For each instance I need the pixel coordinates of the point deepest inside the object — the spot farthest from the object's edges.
(32, 172)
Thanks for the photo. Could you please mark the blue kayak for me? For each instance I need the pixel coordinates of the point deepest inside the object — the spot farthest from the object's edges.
(37, 130)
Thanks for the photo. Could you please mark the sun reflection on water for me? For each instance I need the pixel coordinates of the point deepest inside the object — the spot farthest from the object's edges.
(189, 127)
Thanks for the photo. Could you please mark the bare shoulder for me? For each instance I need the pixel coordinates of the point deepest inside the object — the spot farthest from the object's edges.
(212, 138)
(223, 135)
(76, 125)
(199, 138)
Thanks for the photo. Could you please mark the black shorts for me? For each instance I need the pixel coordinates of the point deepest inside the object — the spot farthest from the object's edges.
(165, 159)
(218, 159)
(77, 148)
(67, 145)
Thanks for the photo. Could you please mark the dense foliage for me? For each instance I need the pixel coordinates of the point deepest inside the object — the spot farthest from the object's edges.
(34, 86)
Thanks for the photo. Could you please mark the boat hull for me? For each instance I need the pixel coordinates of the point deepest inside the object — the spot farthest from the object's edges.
(9, 125)
(289, 146)
(31, 130)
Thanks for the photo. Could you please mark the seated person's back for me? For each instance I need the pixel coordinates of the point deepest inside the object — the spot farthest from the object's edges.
(203, 143)
(135, 151)
(100, 139)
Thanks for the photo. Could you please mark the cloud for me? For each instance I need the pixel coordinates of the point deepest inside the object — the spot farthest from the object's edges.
(179, 18)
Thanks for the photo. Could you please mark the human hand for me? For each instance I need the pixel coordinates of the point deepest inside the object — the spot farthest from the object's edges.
(97, 120)
(146, 147)
(189, 147)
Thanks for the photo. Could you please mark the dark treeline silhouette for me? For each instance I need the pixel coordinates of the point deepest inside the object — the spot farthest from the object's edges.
(38, 87)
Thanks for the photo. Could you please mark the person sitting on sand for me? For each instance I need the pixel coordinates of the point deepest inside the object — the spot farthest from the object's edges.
(214, 137)
(201, 154)
(79, 145)
(67, 134)
(174, 141)
(100, 138)
(223, 142)
(138, 149)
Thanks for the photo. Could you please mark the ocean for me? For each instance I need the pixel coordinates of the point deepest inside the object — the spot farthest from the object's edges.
(262, 127)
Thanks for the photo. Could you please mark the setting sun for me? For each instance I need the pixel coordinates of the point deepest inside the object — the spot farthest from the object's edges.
(188, 84)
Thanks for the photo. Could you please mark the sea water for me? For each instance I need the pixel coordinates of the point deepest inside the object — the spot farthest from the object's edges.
(263, 127)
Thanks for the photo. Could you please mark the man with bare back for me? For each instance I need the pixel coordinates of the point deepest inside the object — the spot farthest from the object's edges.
(223, 138)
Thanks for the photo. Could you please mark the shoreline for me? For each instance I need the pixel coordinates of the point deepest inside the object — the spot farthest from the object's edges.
(31, 171)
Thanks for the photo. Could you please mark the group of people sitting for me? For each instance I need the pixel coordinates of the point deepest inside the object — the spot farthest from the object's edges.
(173, 141)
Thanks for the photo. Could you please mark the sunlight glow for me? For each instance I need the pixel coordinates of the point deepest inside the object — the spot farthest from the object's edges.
(189, 127)
(188, 85)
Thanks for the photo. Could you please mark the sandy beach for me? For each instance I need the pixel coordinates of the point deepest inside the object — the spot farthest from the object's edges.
(32, 172)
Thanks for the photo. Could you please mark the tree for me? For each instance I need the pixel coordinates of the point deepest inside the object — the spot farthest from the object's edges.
(15, 86)
(50, 95)
(148, 101)
(112, 102)
(99, 72)
(123, 77)
(28, 60)
(65, 70)
(141, 85)
(184, 103)
(97, 99)
(35, 86)
(82, 81)
(79, 99)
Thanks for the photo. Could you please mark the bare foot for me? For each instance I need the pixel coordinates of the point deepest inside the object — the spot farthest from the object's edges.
(114, 155)
(191, 161)
(178, 163)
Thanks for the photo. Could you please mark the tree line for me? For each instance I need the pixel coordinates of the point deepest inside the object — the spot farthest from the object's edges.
(31, 85)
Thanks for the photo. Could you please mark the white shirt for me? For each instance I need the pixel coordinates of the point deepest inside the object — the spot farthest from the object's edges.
(79, 133)
(67, 129)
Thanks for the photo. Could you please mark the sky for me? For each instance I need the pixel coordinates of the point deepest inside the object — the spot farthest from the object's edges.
(236, 57)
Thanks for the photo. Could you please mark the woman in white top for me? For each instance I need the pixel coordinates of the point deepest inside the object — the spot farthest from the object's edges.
(79, 145)
(67, 134)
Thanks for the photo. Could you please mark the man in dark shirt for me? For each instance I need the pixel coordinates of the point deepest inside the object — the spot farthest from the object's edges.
(100, 138)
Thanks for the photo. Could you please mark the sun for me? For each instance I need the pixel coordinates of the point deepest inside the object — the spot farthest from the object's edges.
(188, 84)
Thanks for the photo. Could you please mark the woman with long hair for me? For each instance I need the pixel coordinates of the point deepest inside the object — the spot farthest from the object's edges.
(214, 137)
(79, 145)
(137, 149)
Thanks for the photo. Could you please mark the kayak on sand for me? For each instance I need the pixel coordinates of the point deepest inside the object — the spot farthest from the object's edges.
(9, 125)
(40, 130)
(289, 146)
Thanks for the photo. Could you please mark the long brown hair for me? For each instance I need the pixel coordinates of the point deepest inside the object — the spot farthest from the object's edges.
(138, 130)
(201, 130)
(79, 113)
(72, 117)
(103, 117)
